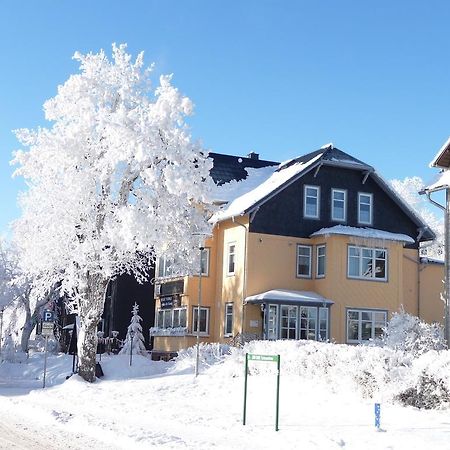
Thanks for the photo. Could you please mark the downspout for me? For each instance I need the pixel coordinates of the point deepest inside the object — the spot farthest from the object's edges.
(446, 210)
(420, 268)
(244, 281)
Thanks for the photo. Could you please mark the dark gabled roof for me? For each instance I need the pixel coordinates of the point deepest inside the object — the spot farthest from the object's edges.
(228, 167)
(233, 166)
(331, 156)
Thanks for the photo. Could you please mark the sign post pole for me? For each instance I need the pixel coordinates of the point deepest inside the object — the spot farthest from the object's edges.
(245, 389)
(266, 358)
(45, 360)
(278, 394)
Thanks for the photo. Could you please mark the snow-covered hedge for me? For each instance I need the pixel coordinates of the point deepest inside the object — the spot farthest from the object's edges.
(383, 374)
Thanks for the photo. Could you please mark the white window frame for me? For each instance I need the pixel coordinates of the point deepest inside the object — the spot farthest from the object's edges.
(171, 313)
(229, 245)
(370, 205)
(360, 321)
(206, 251)
(162, 260)
(360, 275)
(310, 261)
(305, 196)
(333, 217)
(289, 316)
(324, 256)
(194, 322)
(228, 313)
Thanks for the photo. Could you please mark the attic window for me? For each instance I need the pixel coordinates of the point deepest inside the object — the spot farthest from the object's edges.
(311, 202)
(365, 202)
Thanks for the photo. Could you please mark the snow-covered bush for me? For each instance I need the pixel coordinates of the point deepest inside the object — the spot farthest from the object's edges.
(430, 392)
(381, 373)
(409, 334)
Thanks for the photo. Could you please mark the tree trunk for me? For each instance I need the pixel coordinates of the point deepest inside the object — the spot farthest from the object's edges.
(90, 312)
(26, 332)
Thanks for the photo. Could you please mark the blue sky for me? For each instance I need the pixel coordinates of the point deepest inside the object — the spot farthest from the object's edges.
(280, 78)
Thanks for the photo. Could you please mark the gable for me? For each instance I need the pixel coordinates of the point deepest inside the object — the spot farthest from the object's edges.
(283, 213)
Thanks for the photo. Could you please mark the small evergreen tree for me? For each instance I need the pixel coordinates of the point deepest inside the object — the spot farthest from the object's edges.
(138, 337)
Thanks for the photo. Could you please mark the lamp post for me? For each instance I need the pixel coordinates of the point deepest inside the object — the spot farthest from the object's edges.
(1, 332)
(197, 356)
(131, 346)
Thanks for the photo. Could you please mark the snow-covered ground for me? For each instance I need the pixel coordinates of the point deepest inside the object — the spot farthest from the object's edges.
(162, 405)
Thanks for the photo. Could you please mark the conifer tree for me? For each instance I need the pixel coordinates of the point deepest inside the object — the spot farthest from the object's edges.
(135, 329)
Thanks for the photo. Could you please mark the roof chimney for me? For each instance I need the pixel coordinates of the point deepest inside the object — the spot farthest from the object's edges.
(253, 155)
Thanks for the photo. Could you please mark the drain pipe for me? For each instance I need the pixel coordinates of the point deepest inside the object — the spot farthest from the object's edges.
(244, 281)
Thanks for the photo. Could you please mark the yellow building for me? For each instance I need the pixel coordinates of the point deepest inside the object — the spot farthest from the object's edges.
(317, 248)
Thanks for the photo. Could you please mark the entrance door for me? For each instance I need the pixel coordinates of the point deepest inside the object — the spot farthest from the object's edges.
(288, 322)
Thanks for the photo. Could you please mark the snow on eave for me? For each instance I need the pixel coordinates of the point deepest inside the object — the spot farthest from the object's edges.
(277, 181)
(288, 296)
(442, 182)
(439, 153)
(369, 233)
(426, 260)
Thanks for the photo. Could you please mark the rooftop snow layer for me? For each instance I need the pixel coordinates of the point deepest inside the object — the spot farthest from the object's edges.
(442, 181)
(286, 296)
(259, 184)
(370, 233)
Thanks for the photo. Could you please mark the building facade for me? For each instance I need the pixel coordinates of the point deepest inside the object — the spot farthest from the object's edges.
(319, 247)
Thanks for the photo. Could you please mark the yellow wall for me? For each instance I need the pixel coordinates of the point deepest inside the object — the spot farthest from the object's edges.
(264, 262)
(431, 287)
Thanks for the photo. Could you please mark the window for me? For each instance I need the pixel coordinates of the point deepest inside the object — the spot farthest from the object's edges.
(363, 325)
(365, 208)
(311, 202)
(231, 260)
(297, 322)
(228, 329)
(288, 322)
(167, 267)
(308, 322)
(204, 261)
(204, 320)
(323, 324)
(272, 331)
(320, 261)
(338, 205)
(367, 263)
(171, 318)
(303, 261)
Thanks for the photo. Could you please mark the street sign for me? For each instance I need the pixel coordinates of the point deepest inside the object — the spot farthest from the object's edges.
(268, 358)
(48, 316)
(273, 358)
(47, 328)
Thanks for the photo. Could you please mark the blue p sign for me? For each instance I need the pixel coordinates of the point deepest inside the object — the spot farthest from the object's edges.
(48, 316)
(377, 415)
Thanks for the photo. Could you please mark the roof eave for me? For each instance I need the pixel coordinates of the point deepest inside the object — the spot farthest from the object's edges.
(438, 160)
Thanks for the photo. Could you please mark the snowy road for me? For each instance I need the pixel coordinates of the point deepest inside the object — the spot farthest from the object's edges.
(17, 433)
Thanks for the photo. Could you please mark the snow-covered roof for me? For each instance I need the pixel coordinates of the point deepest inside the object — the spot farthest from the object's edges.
(285, 296)
(369, 233)
(258, 185)
(442, 181)
(442, 157)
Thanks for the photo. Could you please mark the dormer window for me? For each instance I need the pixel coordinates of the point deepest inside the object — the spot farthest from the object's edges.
(311, 202)
(338, 205)
(365, 206)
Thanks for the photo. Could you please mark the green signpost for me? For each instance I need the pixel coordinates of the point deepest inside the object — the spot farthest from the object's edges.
(266, 358)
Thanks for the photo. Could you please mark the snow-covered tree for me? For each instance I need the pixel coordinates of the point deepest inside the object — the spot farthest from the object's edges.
(408, 189)
(18, 295)
(408, 333)
(135, 329)
(114, 183)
